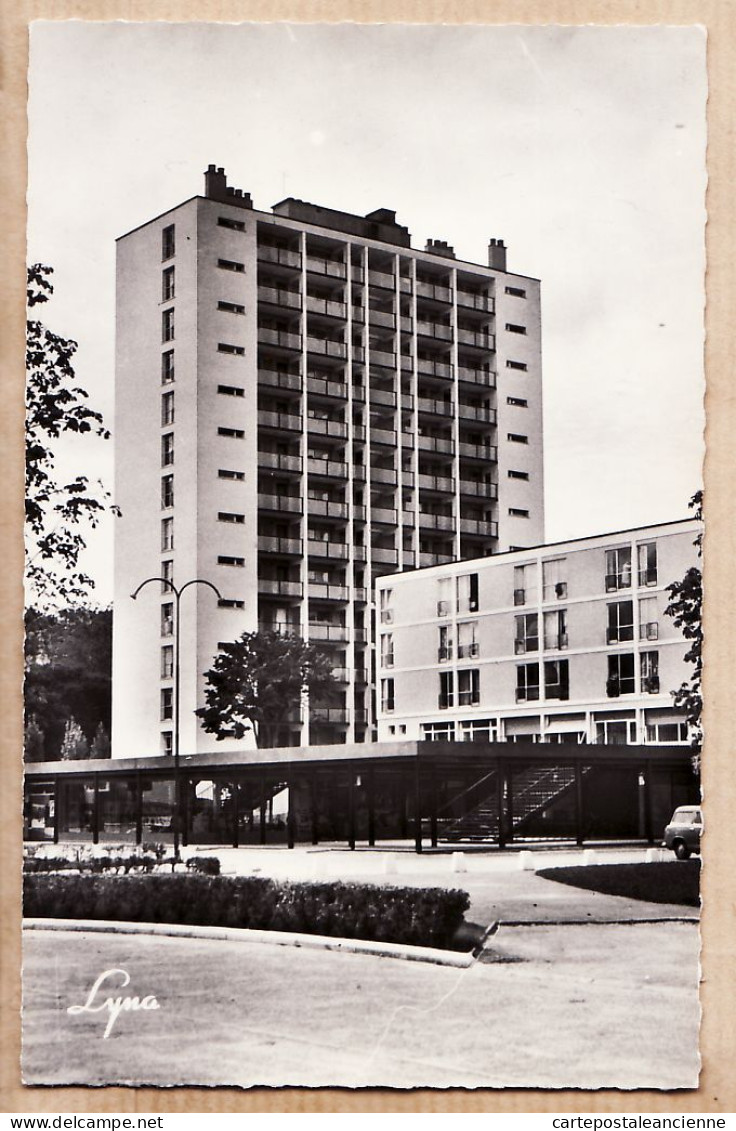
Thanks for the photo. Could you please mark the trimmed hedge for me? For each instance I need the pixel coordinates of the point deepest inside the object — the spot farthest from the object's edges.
(422, 916)
(208, 865)
(670, 881)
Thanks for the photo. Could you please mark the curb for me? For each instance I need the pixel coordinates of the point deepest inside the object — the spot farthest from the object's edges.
(598, 922)
(406, 951)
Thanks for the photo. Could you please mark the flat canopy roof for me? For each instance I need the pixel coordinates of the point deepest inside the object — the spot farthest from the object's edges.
(296, 758)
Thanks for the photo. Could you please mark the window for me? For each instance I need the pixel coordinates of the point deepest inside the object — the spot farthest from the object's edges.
(224, 473)
(620, 675)
(167, 449)
(479, 730)
(521, 365)
(167, 661)
(647, 555)
(167, 409)
(517, 438)
(555, 629)
(228, 516)
(167, 575)
(231, 265)
(468, 687)
(516, 291)
(615, 732)
(524, 583)
(167, 619)
(167, 367)
(167, 534)
(554, 585)
(444, 650)
(167, 284)
(527, 633)
(618, 568)
(231, 391)
(467, 640)
(386, 600)
(228, 603)
(234, 225)
(444, 596)
(167, 491)
(233, 433)
(387, 649)
(518, 512)
(650, 673)
(167, 742)
(387, 694)
(231, 307)
(517, 402)
(556, 679)
(225, 347)
(446, 696)
(225, 559)
(517, 474)
(167, 325)
(620, 622)
(666, 732)
(168, 242)
(467, 593)
(438, 732)
(513, 328)
(167, 703)
(648, 624)
(527, 683)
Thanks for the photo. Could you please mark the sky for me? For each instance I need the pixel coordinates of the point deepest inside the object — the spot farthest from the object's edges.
(583, 148)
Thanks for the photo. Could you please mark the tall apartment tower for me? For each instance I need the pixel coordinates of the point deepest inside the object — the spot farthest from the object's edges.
(304, 403)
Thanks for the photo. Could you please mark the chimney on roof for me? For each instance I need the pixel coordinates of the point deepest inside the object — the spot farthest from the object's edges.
(497, 255)
(440, 247)
(215, 183)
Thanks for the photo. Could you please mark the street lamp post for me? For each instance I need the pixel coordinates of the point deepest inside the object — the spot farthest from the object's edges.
(176, 593)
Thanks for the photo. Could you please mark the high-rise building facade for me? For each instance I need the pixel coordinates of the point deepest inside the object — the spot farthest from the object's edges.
(304, 403)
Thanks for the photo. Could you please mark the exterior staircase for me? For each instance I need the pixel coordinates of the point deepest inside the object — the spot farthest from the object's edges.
(534, 790)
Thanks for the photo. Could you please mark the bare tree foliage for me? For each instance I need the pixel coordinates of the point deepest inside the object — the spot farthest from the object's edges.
(686, 609)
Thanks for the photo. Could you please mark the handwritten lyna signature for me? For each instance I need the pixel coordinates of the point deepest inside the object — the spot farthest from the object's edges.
(114, 1006)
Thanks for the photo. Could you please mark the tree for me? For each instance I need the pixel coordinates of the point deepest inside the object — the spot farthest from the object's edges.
(75, 744)
(55, 510)
(686, 608)
(256, 681)
(33, 742)
(100, 743)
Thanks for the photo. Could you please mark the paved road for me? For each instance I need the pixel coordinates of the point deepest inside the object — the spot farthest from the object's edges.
(582, 1006)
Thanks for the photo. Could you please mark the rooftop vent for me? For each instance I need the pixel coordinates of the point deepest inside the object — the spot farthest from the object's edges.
(440, 247)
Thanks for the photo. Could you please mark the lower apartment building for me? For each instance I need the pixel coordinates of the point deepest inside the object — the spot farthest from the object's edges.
(562, 643)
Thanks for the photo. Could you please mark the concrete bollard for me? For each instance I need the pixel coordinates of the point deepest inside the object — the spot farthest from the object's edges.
(389, 865)
(526, 861)
(590, 856)
(458, 862)
(652, 856)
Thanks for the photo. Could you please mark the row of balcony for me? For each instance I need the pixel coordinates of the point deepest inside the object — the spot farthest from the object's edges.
(385, 476)
(328, 347)
(316, 590)
(321, 631)
(335, 386)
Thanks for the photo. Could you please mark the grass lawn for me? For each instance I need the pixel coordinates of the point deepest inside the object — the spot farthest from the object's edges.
(677, 881)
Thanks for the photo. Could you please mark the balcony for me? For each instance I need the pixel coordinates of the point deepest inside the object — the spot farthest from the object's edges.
(329, 468)
(383, 397)
(407, 478)
(269, 587)
(319, 591)
(320, 426)
(290, 503)
(281, 421)
(479, 339)
(381, 318)
(281, 628)
(268, 544)
(476, 414)
(437, 330)
(331, 267)
(277, 380)
(434, 368)
(478, 490)
(436, 444)
(382, 279)
(329, 715)
(383, 475)
(330, 308)
(323, 548)
(426, 559)
(385, 515)
(384, 556)
(327, 508)
(471, 376)
(437, 483)
(435, 407)
(479, 451)
(383, 357)
(406, 324)
(333, 633)
(479, 526)
(285, 339)
(326, 347)
(475, 301)
(436, 521)
(358, 313)
(277, 462)
(280, 255)
(323, 387)
(278, 296)
(383, 436)
(433, 292)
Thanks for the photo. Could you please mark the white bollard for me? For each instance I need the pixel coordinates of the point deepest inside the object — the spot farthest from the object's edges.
(526, 861)
(590, 856)
(458, 862)
(652, 856)
(389, 865)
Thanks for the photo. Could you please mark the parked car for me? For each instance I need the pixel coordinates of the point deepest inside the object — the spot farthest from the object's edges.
(682, 834)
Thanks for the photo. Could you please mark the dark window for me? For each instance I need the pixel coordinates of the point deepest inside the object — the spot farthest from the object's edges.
(518, 402)
(518, 512)
(468, 687)
(518, 292)
(167, 325)
(518, 474)
(167, 491)
(167, 534)
(225, 347)
(167, 449)
(168, 242)
(527, 682)
(231, 265)
(516, 365)
(167, 619)
(234, 225)
(228, 516)
(167, 702)
(647, 554)
(447, 690)
(621, 679)
(620, 622)
(517, 438)
(167, 284)
(526, 633)
(228, 603)
(618, 568)
(556, 679)
(231, 390)
(224, 559)
(167, 367)
(234, 433)
(167, 409)
(231, 307)
(514, 329)
(224, 473)
(650, 673)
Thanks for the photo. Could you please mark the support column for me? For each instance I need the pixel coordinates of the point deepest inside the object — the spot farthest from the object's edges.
(57, 792)
(96, 811)
(500, 802)
(351, 808)
(433, 806)
(509, 804)
(403, 821)
(236, 812)
(313, 812)
(138, 807)
(579, 803)
(290, 814)
(417, 809)
(371, 788)
(648, 832)
(183, 810)
(262, 830)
